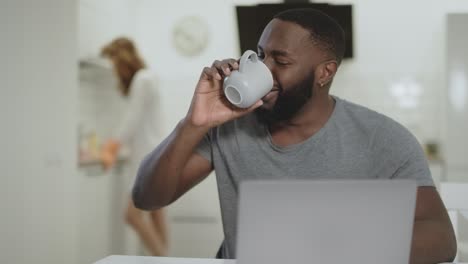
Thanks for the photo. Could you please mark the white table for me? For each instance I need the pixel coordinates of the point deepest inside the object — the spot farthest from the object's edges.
(116, 259)
(162, 260)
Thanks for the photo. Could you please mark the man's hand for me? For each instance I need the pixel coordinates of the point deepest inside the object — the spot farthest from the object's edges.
(210, 107)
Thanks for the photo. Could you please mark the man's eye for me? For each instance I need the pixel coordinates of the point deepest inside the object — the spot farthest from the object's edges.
(261, 55)
(283, 63)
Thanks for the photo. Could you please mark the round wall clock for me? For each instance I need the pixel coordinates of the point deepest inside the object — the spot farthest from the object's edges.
(190, 35)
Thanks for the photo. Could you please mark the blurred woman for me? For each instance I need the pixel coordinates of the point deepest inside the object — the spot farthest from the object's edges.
(139, 131)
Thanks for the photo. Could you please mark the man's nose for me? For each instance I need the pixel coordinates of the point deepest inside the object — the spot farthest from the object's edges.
(269, 63)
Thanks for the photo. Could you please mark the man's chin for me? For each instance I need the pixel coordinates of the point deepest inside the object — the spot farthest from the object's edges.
(266, 106)
(269, 101)
(265, 115)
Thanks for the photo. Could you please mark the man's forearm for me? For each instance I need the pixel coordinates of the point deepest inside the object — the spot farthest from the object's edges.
(159, 172)
(432, 243)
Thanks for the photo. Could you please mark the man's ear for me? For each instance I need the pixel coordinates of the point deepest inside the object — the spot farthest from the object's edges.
(326, 72)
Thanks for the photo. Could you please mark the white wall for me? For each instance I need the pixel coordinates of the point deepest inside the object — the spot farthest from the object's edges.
(102, 20)
(457, 96)
(38, 131)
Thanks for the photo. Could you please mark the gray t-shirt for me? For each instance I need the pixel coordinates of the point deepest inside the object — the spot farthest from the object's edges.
(355, 143)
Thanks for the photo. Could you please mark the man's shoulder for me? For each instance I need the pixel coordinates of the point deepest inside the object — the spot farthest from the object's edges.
(353, 116)
(360, 111)
(379, 127)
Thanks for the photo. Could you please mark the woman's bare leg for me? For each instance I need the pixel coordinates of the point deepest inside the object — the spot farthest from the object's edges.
(158, 219)
(136, 218)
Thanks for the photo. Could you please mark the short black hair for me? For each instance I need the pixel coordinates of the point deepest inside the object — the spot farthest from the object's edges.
(325, 32)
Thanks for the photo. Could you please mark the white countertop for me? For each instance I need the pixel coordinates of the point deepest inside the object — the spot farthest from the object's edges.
(164, 260)
(116, 259)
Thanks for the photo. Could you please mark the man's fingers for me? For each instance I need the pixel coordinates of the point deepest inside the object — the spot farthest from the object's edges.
(242, 111)
(210, 73)
(234, 64)
(222, 67)
(225, 67)
(254, 106)
(219, 69)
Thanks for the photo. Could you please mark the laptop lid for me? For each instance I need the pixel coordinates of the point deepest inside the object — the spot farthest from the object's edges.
(355, 221)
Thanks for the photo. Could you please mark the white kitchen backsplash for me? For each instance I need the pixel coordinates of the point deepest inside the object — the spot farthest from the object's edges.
(411, 99)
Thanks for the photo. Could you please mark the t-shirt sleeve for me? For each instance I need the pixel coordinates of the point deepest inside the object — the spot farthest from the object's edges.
(398, 154)
(415, 167)
(204, 148)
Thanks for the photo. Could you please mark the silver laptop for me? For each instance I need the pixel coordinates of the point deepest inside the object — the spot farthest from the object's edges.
(317, 222)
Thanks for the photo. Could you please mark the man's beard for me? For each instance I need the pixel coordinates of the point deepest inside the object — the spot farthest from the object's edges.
(287, 104)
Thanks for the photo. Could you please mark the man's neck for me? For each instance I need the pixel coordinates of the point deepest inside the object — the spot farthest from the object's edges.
(305, 123)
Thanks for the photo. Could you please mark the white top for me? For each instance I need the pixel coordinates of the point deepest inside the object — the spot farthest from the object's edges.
(163, 260)
(140, 130)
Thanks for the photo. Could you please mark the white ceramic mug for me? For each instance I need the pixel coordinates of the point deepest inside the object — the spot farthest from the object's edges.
(250, 83)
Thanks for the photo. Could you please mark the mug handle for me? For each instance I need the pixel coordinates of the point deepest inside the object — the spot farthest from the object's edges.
(248, 54)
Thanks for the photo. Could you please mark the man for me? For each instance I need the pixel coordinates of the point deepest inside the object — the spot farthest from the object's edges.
(297, 131)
